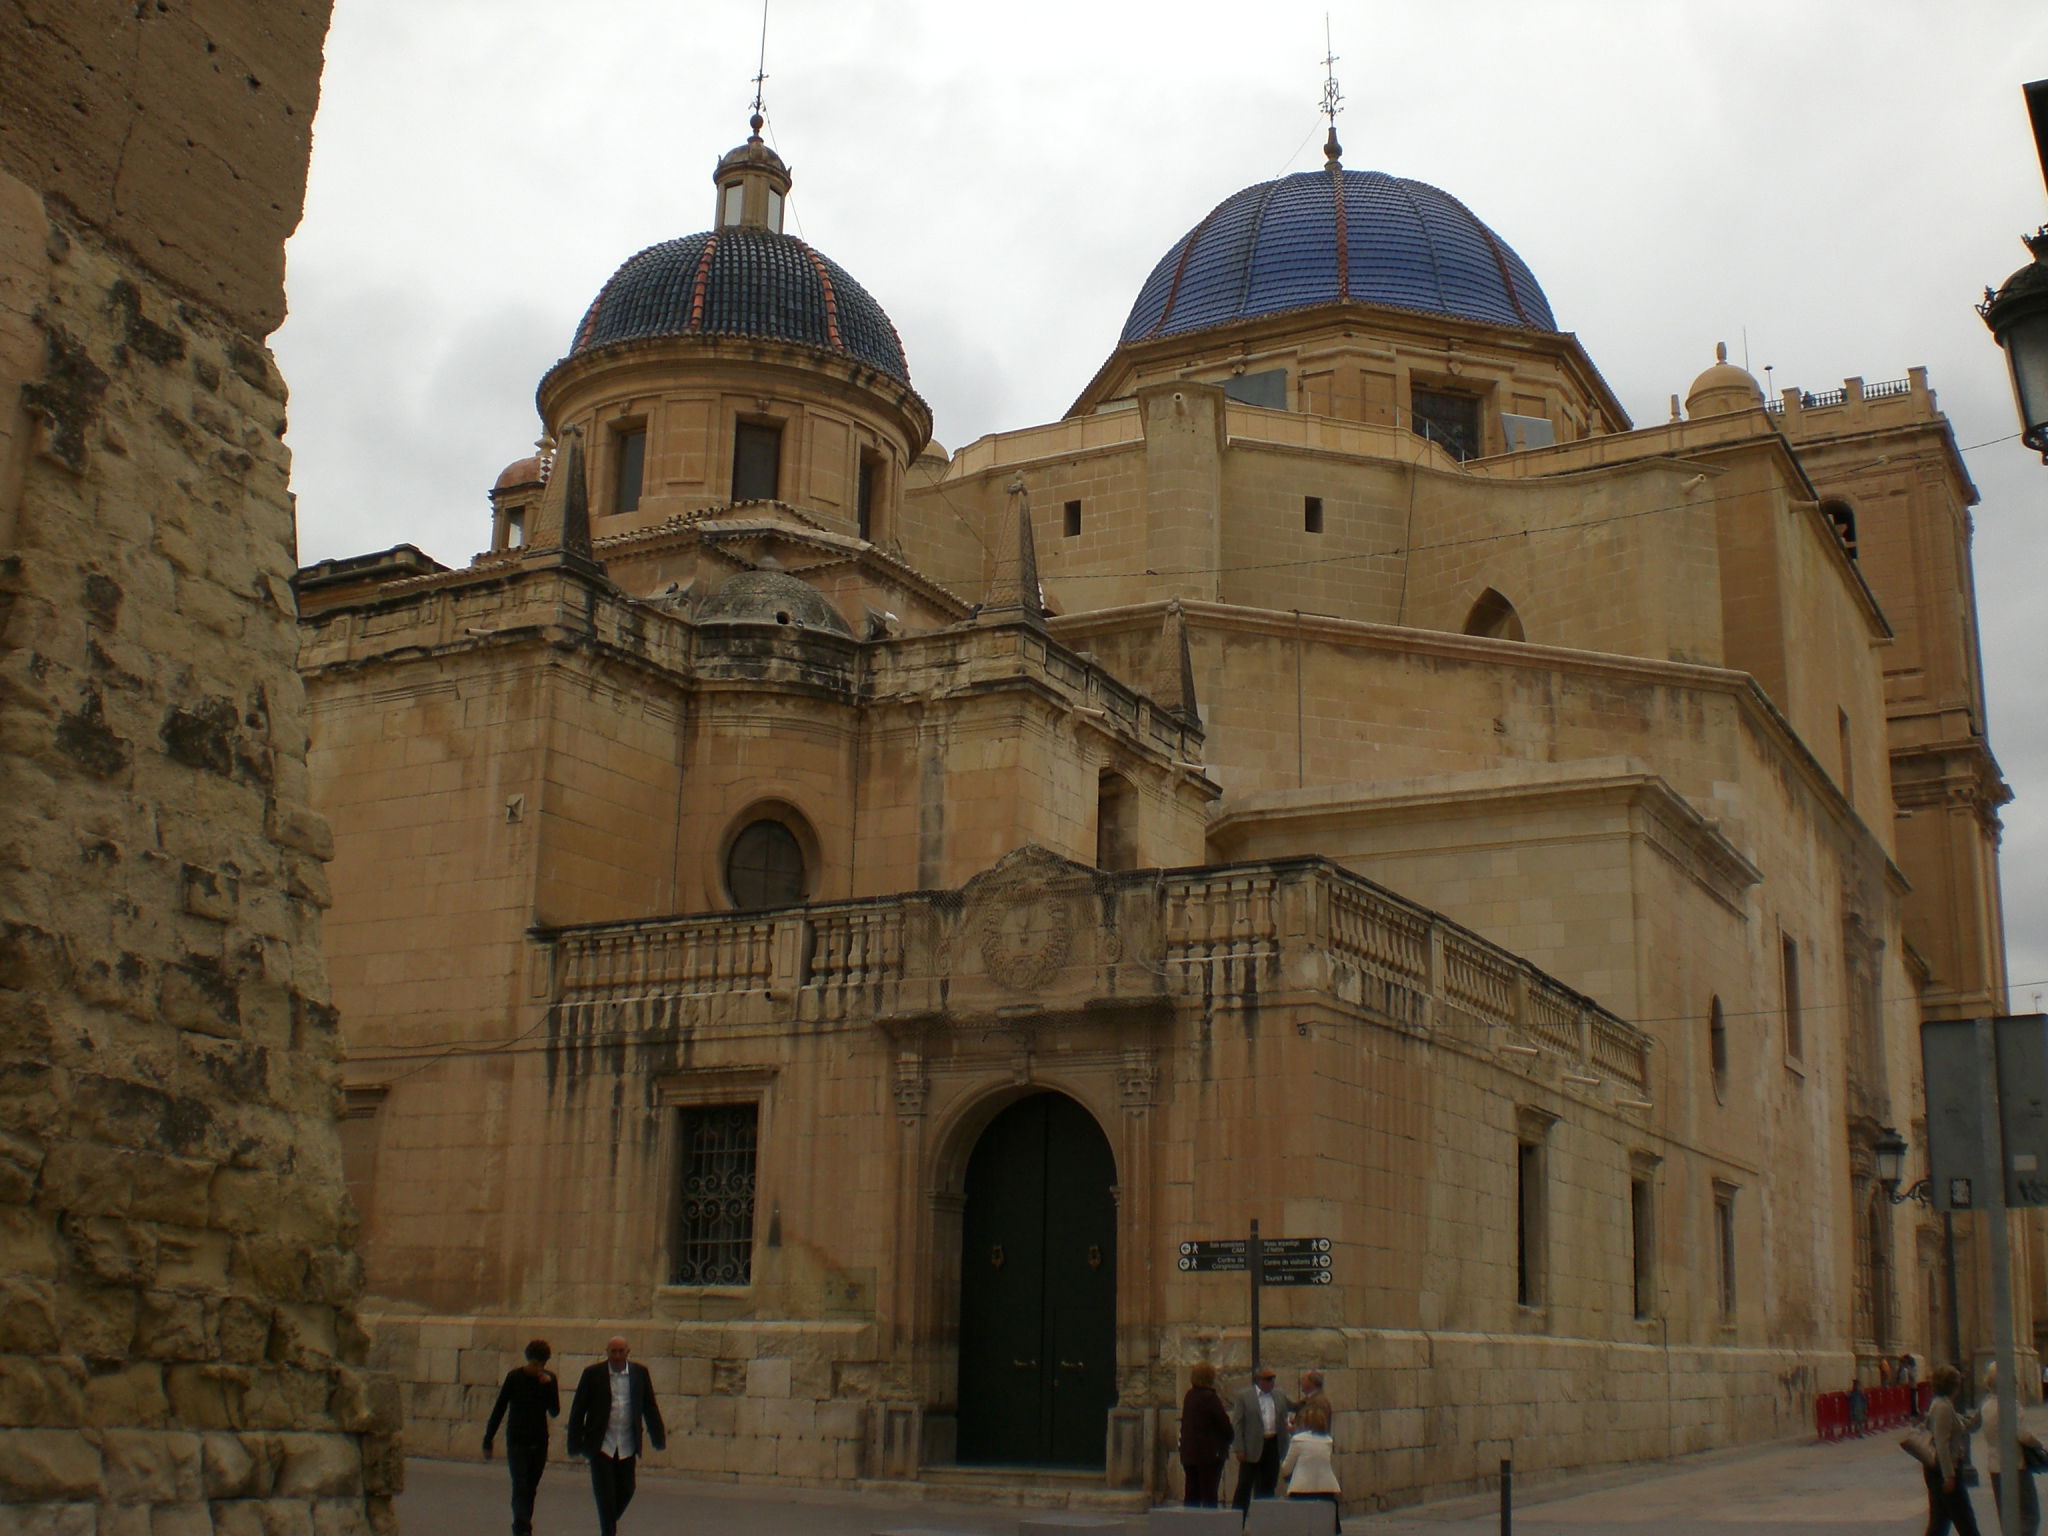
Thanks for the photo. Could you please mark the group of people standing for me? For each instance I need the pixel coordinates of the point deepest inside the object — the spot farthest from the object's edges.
(1268, 1435)
(1949, 1475)
(613, 1410)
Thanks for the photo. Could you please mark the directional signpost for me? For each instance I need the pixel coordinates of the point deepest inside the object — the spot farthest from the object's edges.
(1273, 1261)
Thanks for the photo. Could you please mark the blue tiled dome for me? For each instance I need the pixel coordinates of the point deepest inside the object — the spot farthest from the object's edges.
(742, 281)
(1320, 237)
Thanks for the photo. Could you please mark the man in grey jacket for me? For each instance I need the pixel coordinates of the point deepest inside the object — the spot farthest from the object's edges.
(1258, 1422)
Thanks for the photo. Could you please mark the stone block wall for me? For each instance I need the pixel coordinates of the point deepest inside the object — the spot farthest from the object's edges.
(179, 1350)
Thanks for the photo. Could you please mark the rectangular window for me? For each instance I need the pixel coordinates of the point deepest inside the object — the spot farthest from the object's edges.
(864, 506)
(756, 460)
(1311, 514)
(515, 528)
(1072, 525)
(629, 448)
(735, 200)
(1795, 1029)
(1724, 1247)
(714, 1230)
(1642, 1247)
(1449, 421)
(1529, 1223)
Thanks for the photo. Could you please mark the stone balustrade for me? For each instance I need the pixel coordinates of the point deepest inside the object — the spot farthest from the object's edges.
(1222, 935)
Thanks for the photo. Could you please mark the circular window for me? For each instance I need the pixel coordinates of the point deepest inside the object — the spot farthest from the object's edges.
(765, 867)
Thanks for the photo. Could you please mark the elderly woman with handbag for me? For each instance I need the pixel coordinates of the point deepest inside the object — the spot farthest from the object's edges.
(2030, 1450)
(1943, 1451)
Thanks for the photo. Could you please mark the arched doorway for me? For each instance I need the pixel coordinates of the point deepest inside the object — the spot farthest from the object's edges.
(1038, 1288)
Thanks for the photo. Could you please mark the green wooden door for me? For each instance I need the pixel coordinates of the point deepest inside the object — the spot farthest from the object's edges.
(1038, 1289)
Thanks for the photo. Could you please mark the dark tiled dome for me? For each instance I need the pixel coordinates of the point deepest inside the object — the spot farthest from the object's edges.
(1321, 236)
(742, 281)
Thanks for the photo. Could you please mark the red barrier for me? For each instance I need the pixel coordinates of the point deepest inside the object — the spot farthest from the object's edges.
(1883, 1408)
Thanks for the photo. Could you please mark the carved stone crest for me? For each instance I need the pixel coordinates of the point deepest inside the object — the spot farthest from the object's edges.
(1025, 917)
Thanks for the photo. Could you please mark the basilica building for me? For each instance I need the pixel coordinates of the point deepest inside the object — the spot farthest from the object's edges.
(846, 914)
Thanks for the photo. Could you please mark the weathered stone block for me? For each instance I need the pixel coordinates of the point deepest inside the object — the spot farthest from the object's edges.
(49, 1464)
(150, 1466)
(180, 1520)
(40, 1393)
(171, 1327)
(28, 1317)
(49, 1520)
(120, 1253)
(131, 1393)
(97, 1322)
(316, 1465)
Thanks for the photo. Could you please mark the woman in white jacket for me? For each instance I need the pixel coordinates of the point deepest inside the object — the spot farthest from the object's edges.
(1308, 1469)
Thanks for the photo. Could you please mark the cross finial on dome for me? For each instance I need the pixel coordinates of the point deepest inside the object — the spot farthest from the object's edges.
(760, 116)
(1333, 100)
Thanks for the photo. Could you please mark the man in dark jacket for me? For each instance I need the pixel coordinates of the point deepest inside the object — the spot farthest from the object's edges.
(532, 1397)
(614, 1402)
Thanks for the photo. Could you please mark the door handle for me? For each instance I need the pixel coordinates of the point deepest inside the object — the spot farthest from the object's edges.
(1025, 1365)
(1073, 1365)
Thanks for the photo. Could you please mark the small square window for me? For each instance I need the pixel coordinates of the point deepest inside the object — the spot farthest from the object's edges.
(1311, 514)
(1073, 519)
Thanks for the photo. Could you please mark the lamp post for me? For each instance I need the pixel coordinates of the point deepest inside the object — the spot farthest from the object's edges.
(1889, 1151)
(2017, 310)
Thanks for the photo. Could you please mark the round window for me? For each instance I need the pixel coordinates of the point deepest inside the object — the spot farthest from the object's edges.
(765, 867)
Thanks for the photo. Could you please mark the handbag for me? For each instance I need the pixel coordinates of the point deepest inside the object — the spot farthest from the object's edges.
(1919, 1445)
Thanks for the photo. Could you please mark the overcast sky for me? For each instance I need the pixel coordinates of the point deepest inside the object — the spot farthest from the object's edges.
(1826, 185)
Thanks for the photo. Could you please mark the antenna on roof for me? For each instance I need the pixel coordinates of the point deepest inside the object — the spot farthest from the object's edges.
(1333, 99)
(761, 74)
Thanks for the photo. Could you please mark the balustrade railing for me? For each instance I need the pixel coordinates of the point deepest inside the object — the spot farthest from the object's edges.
(1227, 931)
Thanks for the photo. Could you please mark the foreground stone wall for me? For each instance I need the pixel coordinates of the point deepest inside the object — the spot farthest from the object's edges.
(179, 1350)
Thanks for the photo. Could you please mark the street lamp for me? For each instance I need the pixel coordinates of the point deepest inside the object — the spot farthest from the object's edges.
(1889, 1149)
(2017, 310)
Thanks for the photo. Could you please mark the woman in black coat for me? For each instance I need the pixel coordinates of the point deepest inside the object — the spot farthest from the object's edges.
(1204, 1438)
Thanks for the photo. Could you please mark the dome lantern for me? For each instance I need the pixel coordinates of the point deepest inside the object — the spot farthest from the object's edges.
(752, 183)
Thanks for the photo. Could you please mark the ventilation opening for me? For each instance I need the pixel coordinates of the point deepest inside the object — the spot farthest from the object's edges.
(1494, 618)
(1072, 525)
(1311, 514)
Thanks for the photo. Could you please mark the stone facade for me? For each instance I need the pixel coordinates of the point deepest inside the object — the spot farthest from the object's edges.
(179, 1344)
(1500, 862)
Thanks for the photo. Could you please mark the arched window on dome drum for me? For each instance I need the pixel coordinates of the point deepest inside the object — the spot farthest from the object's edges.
(756, 460)
(1494, 618)
(629, 451)
(864, 505)
(765, 867)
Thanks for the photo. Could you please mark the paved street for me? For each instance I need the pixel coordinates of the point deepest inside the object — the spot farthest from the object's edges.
(1866, 1486)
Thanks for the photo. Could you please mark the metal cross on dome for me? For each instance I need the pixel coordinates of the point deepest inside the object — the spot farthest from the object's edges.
(1333, 99)
(761, 68)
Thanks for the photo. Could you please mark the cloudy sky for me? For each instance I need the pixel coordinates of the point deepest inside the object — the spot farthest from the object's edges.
(1826, 185)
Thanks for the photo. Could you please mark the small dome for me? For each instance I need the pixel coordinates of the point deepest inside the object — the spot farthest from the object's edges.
(771, 597)
(1322, 237)
(742, 281)
(1722, 388)
(520, 472)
